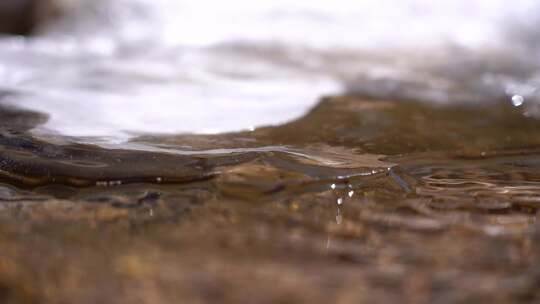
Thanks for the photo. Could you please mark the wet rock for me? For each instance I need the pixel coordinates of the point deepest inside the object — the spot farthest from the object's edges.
(15, 119)
(23, 17)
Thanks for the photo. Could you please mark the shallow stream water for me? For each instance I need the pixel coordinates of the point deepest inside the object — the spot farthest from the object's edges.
(221, 175)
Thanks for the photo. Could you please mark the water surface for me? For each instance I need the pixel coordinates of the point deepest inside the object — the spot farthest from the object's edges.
(205, 166)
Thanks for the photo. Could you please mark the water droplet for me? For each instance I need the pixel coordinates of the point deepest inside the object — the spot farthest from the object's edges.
(517, 100)
(351, 193)
(340, 201)
(339, 217)
(333, 186)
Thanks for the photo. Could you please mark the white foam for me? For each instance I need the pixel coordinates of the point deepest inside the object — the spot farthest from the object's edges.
(123, 67)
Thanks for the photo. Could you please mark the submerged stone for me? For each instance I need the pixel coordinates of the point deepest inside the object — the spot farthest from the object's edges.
(409, 200)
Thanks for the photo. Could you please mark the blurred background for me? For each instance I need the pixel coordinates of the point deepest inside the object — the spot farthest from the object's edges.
(109, 69)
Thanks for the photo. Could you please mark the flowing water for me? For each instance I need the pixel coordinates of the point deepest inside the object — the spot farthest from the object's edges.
(166, 152)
